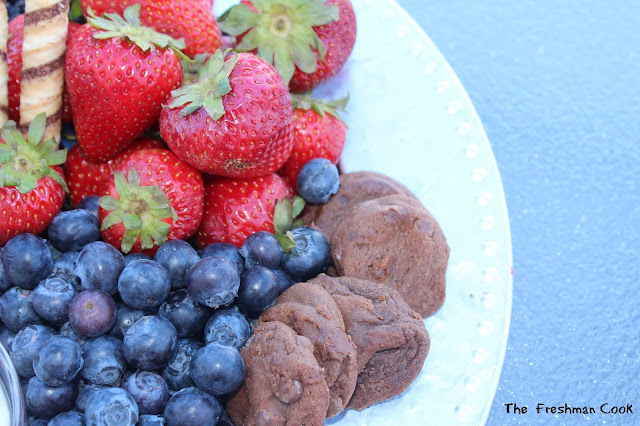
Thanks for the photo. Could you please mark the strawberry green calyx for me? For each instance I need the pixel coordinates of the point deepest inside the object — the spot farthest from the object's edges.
(130, 28)
(142, 210)
(24, 161)
(307, 102)
(211, 85)
(191, 68)
(285, 218)
(282, 31)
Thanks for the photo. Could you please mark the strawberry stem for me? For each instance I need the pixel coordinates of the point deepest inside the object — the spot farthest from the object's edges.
(282, 32)
(24, 161)
(129, 27)
(207, 91)
(142, 210)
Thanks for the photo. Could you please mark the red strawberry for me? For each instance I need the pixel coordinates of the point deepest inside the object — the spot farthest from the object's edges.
(307, 40)
(117, 81)
(154, 197)
(318, 133)
(14, 63)
(33, 188)
(237, 208)
(191, 20)
(86, 178)
(235, 121)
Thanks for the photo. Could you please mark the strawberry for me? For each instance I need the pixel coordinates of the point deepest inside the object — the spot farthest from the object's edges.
(318, 133)
(86, 178)
(234, 121)
(191, 20)
(33, 188)
(308, 40)
(153, 197)
(237, 208)
(117, 80)
(14, 63)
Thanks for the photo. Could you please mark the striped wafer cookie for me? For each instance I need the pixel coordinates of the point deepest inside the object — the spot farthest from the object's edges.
(43, 49)
(4, 73)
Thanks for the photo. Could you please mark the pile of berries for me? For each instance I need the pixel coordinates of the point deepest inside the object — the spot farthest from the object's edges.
(99, 337)
(138, 250)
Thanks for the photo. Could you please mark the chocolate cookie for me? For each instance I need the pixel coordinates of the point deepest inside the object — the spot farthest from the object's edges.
(396, 241)
(390, 338)
(354, 189)
(333, 348)
(284, 385)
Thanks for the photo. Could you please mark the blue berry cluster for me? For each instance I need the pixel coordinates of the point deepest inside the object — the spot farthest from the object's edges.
(99, 338)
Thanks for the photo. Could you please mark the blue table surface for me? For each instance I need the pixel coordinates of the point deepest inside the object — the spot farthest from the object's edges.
(557, 86)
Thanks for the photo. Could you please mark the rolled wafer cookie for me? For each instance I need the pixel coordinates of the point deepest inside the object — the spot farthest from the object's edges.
(4, 73)
(43, 49)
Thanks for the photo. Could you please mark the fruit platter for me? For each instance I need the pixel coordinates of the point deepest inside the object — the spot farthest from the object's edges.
(242, 213)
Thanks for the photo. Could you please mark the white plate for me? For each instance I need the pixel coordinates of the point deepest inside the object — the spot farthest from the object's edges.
(410, 117)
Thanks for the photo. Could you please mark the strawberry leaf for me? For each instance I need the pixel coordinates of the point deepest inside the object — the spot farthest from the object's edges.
(207, 92)
(130, 28)
(142, 210)
(298, 206)
(25, 161)
(282, 31)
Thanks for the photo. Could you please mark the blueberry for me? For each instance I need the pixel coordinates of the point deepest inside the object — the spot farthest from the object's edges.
(58, 361)
(67, 330)
(185, 314)
(90, 204)
(135, 256)
(192, 407)
(66, 262)
(4, 285)
(111, 407)
(177, 257)
(104, 362)
(98, 266)
(151, 420)
(213, 282)
(125, 319)
(318, 180)
(227, 327)
(92, 313)
(217, 369)
(310, 256)
(69, 418)
(225, 251)
(27, 343)
(15, 8)
(16, 309)
(45, 401)
(73, 229)
(51, 299)
(284, 280)
(258, 290)
(32, 421)
(150, 343)
(261, 248)
(144, 284)
(6, 337)
(26, 260)
(177, 373)
(149, 390)
(84, 394)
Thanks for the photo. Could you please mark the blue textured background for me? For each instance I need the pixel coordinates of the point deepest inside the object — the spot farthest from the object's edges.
(557, 86)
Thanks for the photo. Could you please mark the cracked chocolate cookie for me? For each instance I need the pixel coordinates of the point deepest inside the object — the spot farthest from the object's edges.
(321, 322)
(284, 385)
(391, 340)
(394, 240)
